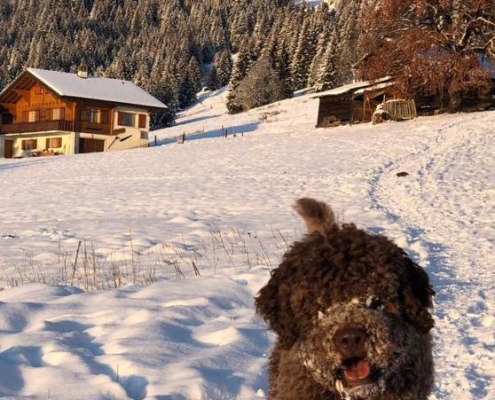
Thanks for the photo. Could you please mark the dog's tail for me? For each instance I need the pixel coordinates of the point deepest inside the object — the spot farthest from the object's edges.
(317, 215)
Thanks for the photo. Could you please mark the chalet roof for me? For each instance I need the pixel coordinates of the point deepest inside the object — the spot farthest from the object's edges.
(93, 88)
(353, 87)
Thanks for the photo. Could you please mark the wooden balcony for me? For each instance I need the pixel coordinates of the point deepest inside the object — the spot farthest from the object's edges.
(38, 126)
(92, 127)
(59, 125)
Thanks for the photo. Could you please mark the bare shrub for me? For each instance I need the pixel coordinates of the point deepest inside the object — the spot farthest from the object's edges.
(225, 250)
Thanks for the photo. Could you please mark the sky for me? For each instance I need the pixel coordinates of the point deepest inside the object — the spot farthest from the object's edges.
(131, 274)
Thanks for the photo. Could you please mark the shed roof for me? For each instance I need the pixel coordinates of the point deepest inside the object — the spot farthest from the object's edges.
(376, 86)
(352, 87)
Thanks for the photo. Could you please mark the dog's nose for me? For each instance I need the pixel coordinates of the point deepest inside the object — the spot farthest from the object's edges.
(350, 341)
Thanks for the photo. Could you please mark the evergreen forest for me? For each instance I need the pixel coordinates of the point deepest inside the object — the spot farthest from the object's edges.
(173, 48)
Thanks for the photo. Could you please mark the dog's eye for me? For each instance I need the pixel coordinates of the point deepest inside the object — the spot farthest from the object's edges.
(374, 303)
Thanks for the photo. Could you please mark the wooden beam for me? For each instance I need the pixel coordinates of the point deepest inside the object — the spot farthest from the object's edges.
(25, 94)
(10, 107)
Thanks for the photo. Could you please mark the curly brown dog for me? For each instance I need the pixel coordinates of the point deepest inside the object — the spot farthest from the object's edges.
(352, 316)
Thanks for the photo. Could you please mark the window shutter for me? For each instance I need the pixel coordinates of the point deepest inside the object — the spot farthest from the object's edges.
(142, 121)
(120, 118)
(34, 116)
(104, 117)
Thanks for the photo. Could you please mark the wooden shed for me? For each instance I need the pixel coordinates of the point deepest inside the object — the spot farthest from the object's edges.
(352, 103)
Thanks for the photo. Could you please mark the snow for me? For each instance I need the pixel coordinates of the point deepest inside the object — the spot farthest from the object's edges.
(96, 88)
(316, 3)
(358, 87)
(144, 219)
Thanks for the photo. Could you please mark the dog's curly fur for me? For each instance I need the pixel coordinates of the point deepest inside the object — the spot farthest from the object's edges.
(352, 316)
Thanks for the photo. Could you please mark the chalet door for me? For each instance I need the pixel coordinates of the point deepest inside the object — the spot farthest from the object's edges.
(91, 145)
(8, 148)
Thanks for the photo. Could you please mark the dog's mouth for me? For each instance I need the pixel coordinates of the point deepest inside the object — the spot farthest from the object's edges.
(356, 371)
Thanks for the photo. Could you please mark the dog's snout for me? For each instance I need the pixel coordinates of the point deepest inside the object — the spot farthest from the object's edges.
(350, 341)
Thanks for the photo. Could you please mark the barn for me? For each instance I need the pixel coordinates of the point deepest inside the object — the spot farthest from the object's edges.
(352, 103)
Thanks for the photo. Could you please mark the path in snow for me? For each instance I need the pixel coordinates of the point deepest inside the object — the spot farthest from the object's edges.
(433, 204)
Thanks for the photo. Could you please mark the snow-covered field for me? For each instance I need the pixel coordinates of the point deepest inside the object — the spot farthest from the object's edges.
(188, 232)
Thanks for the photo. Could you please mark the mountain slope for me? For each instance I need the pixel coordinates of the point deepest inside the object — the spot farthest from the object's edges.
(223, 204)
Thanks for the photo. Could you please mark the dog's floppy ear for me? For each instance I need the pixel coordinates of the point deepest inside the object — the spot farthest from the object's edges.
(273, 305)
(317, 215)
(418, 297)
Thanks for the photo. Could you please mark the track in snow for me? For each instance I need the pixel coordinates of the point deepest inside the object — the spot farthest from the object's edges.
(443, 205)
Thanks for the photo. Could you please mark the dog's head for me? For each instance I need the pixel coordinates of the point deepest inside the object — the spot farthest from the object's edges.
(352, 305)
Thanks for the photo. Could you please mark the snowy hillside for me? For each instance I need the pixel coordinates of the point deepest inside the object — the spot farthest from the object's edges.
(189, 232)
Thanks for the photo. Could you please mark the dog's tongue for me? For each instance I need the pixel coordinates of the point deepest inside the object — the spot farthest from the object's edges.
(357, 371)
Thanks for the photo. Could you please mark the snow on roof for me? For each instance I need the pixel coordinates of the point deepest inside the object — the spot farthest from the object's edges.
(315, 3)
(351, 87)
(96, 88)
(378, 86)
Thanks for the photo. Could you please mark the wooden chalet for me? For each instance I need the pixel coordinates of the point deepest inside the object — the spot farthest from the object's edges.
(50, 113)
(352, 103)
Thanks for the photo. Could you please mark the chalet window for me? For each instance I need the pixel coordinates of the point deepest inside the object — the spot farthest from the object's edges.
(53, 143)
(96, 116)
(51, 114)
(57, 113)
(126, 119)
(92, 115)
(29, 144)
(142, 121)
(31, 116)
(34, 116)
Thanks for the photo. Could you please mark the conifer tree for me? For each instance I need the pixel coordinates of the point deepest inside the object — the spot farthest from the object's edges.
(303, 56)
(261, 86)
(242, 26)
(325, 21)
(318, 59)
(279, 52)
(349, 31)
(213, 79)
(186, 91)
(194, 74)
(223, 64)
(240, 69)
(327, 76)
(164, 90)
(261, 30)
